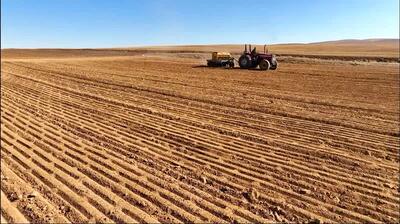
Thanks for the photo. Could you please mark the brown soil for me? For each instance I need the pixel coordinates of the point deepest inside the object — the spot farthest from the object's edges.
(164, 139)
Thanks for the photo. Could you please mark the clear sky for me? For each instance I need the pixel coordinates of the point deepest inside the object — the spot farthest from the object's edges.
(120, 23)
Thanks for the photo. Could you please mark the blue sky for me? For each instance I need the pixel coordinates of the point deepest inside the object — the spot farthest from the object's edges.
(119, 23)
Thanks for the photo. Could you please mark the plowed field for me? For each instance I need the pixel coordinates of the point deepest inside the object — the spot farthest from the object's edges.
(159, 139)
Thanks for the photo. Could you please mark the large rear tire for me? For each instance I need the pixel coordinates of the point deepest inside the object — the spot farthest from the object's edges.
(245, 61)
(264, 65)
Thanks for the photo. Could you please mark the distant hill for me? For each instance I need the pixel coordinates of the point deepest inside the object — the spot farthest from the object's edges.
(361, 42)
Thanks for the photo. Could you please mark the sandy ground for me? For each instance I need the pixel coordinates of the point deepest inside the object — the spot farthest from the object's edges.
(161, 138)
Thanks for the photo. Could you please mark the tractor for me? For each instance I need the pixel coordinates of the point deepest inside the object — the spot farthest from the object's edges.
(251, 59)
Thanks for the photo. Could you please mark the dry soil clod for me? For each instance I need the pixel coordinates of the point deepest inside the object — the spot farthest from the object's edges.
(316, 221)
(203, 179)
(252, 195)
(33, 194)
(304, 191)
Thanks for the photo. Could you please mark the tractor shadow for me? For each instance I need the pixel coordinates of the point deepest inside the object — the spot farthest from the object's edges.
(234, 68)
(200, 66)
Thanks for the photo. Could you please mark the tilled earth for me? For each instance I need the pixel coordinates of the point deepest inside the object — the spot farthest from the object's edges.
(161, 139)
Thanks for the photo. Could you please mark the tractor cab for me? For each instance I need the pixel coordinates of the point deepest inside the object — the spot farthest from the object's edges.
(254, 51)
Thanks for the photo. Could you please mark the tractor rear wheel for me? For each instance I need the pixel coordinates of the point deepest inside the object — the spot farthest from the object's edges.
(264, 65)
(245, 61)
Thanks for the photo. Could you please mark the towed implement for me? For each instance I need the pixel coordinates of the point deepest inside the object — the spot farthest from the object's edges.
(221, 59)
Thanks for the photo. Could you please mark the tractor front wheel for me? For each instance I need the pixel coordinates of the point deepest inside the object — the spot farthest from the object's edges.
(245, 61)
(273, 67)
(264, 65)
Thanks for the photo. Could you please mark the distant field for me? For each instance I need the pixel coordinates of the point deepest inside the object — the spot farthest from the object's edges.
(372, 48)
(345, 49)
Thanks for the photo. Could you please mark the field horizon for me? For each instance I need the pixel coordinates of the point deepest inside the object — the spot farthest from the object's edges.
(376, 47)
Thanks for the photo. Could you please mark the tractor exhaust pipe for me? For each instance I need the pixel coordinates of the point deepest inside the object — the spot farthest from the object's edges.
(265, 47)
(245, 48)
(250, 48)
